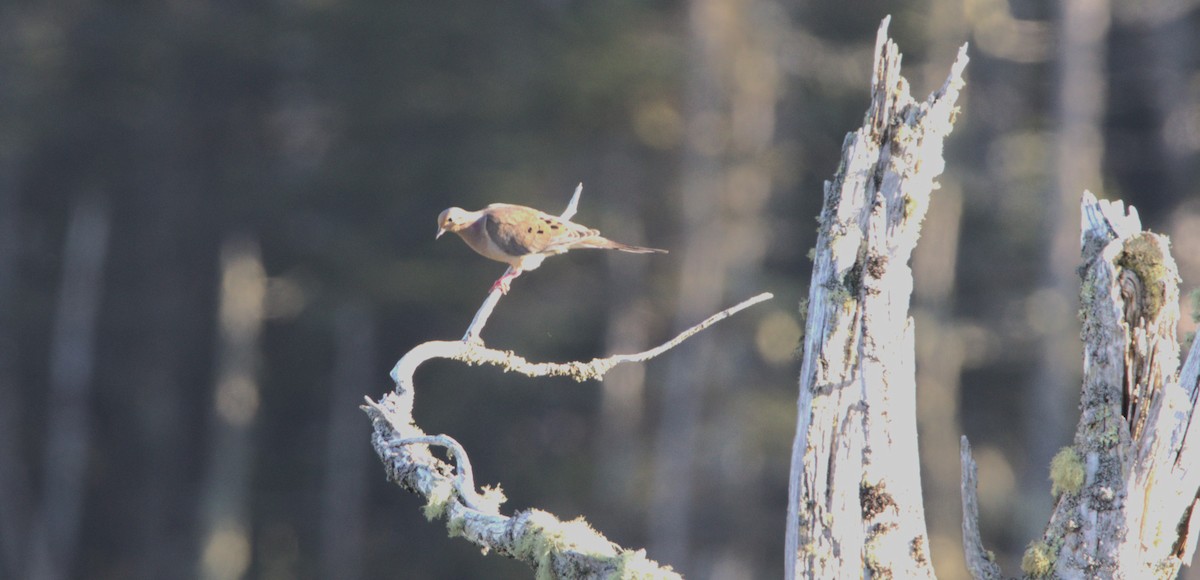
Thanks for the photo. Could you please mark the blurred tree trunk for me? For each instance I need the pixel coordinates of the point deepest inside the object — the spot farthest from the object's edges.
(14, 477)
(343, 526)
(1078, 153)
(939, 361)
(166, 306)
(191, 141)
(940, 353)
(622, 395)
(54, 539)
(225, 511)
(1153, 142)
(1172, 51)
(729, 125)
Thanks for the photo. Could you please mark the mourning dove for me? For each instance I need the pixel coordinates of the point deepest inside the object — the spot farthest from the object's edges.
(522, 236)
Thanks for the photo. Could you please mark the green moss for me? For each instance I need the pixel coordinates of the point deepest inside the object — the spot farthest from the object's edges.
(439, 497)
(537, 544)
(1067, 472)
(809, 549)
(1144, 257)
(840, 295)
(1111, 435)
(803, 310)
(910, 206)
(546, 536)
(1087, 294)
(871, 557)
(1194, 298)
(455, 527)
(1105, 427)
(1038, 561)
(491, 499)
(634, 565)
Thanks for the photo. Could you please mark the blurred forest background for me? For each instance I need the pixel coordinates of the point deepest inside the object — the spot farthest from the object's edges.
(216, 237)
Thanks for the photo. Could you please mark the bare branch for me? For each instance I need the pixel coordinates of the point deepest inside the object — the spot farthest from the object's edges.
(476, 353)
(484, 312)
(464, 482)
(569, 213)
(550, 546)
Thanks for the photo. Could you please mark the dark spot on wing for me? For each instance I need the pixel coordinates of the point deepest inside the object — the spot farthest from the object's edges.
(506, 238)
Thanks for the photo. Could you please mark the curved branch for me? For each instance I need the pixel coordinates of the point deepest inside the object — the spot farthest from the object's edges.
(476, 353)
(550, 546)
(464, 482)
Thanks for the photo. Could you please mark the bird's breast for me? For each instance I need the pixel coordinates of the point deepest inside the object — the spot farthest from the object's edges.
(477, 237)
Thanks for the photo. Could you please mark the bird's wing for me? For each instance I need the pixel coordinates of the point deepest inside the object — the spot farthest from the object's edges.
(519, 230)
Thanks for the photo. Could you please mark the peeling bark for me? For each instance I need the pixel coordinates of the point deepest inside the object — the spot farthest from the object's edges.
(1131, 513)
(855, 504)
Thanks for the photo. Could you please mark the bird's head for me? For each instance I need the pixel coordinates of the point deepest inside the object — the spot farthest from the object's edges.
(453, 220)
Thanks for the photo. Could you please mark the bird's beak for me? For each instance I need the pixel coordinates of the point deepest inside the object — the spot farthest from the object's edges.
(440, 232)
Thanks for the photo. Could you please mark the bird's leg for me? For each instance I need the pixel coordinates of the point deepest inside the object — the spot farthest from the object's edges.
(504, 280)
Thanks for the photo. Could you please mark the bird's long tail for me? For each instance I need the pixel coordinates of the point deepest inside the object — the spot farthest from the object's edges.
(607, 244)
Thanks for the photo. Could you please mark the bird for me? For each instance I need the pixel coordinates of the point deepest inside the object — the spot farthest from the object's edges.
(522, 237)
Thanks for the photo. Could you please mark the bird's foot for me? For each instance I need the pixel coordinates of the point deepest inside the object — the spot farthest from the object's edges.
(502, 284)
(504, 280)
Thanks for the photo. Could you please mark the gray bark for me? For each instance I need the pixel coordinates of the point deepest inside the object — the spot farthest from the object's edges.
(854, 495)
(224, 512)
(1131, 515)
(343, 527)
(55, 535)
(729, 116)
(14, 478)
(619, 444)
(1126, 490)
